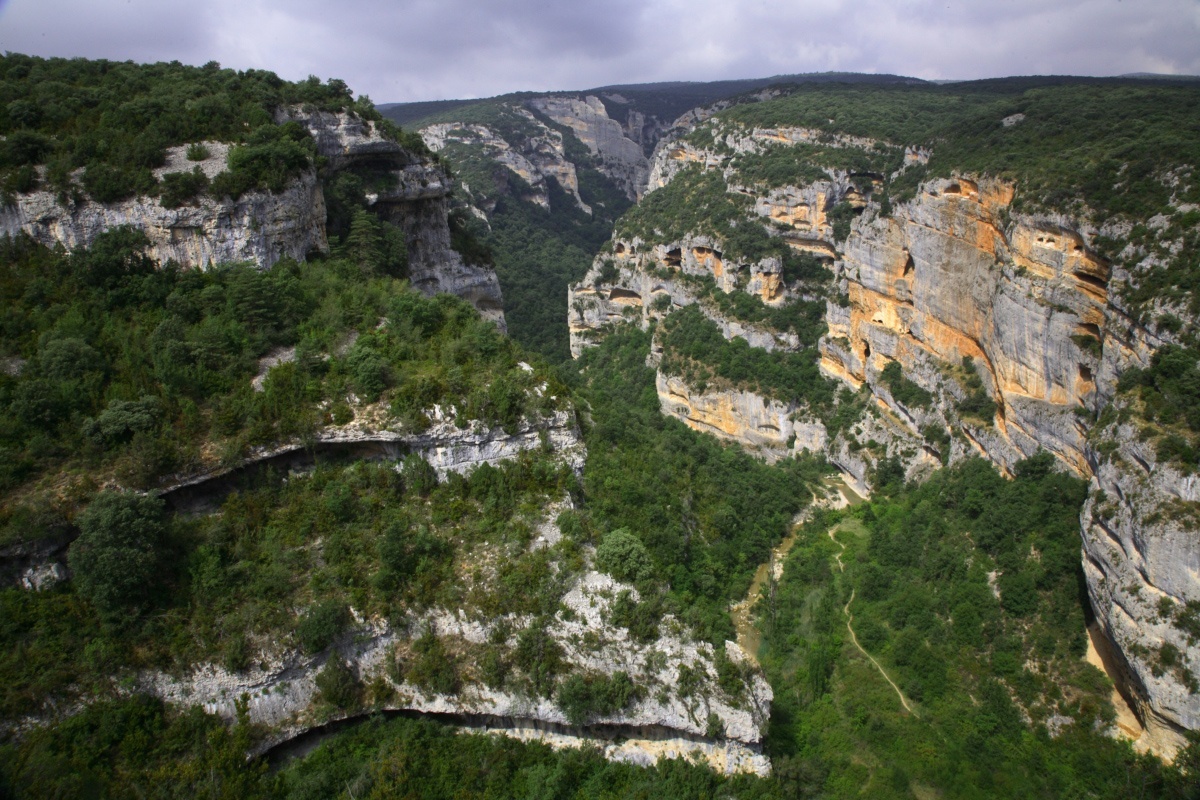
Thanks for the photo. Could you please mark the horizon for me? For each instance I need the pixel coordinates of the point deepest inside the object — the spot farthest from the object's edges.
(415, 51)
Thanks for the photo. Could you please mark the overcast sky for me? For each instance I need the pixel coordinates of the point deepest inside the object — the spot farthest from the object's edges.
(404, 50)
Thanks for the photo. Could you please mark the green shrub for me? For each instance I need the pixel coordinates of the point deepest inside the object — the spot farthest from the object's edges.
(622, 555)
(321, 624)
(584, 697)
(117, 561)
(122, 419)
(181, 188)
(432, 668)
(904, 391)
(337, 683)
(196, 151)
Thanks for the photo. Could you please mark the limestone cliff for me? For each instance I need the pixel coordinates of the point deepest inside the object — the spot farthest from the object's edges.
(763, 425)
(262, 227)
(696, 720)
(1142, 562)
(620, 158)
(420, 205)
(535, 158)
(1009, 332)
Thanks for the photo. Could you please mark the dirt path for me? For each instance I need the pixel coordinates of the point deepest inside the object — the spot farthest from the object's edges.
(854, 638)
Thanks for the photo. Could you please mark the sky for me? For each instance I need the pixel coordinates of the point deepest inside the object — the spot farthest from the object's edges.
(409, 50)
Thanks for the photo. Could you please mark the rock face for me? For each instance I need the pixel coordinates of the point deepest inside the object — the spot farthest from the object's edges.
(1142, 562)
(1006, 327)
(699, 720)
(620, 158)
(263, 227)
(764, 425)
(420, 205)
(260, 227)
(646, 278)
(536, 158)
(346, 139)
(943, 279)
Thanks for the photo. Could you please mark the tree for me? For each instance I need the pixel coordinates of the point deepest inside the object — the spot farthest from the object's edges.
(115, 560)
(363, 243)
(623, 556)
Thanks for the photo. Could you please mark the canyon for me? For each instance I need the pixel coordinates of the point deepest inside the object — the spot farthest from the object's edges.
(965, 295)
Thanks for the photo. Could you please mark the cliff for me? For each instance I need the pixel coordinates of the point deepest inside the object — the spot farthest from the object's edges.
(262, 227)
(1005, 331)
(420, 205)
(694, 719)
(619, 157)
(536, 158)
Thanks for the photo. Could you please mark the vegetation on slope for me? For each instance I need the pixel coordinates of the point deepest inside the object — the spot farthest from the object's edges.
(114, 121)
(708, 513)
(1105, 148)
(695, 350)
(1004, 705)
(128, 369)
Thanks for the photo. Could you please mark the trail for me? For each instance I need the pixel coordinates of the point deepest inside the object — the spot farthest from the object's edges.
(853, 638)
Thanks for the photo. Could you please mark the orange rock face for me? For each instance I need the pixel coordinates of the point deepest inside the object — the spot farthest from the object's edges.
(946, 278)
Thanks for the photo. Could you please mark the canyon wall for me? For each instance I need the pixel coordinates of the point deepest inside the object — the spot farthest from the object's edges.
(262, 227)
(1010, 333)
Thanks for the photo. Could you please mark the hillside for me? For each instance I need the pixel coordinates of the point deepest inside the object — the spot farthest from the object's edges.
(285, 513)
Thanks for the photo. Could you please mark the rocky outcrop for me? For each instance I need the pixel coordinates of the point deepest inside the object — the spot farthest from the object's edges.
(618, 157)
(766, 426)
(534, 158)
(650, 280)
(345, 139)
(263, 227)
(373, 435)
(260, 227)
(1142, 562)
(420, 205)
(672, 717)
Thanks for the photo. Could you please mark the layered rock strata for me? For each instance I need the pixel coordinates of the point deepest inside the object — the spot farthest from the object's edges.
(1141, 556)
(263, 227)
(980, 307)
(699, 722)
(618, 157)
(259, 227)
(537, 159)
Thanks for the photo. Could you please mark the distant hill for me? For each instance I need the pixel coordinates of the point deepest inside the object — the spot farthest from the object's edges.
(665, 100)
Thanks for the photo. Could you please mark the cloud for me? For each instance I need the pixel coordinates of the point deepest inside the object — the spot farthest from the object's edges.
(432, 49)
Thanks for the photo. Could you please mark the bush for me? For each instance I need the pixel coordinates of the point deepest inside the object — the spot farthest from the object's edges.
(584, 697)
(432, 668)
(179, 188)
(122, 419)
(115, 560)
(622, 555)
(197, 152)
(337, 683)
(904, 391)
(321, 624)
